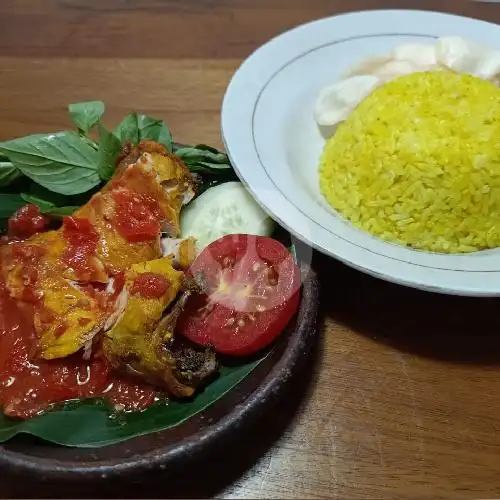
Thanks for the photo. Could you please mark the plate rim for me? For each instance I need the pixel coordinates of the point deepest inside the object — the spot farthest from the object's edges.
(449, 281)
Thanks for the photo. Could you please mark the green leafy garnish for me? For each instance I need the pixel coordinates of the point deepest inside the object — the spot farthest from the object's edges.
(154, 130)
(205, 157)
(136, 128)
(211, 165)
(109, 149)
(61, 162)
(9, 203)
(86, 114)
(128, 129)
(71, 163)
(47, 207)
(8, 173)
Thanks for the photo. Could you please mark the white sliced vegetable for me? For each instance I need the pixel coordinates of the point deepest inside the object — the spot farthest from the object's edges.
(337, 101)
(221, 210)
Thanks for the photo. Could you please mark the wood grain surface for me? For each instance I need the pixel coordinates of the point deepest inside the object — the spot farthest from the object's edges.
(403, 397)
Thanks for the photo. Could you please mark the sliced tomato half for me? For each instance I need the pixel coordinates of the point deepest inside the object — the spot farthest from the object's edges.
(251, 288)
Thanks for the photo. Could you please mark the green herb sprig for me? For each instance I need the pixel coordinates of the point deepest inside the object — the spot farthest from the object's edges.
(60, 171)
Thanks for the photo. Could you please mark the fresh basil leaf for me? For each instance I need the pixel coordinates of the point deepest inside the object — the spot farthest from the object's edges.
(154, 130)
(61, 211)
(109, 148)
(136, 128)
(199, 155)
(9, 203)
(213, 166)
(47, 207)
(208, 162)
(8, 173)
(86, 114)
(43, 205)
(58, 200)
(60, 162)
(165, 136)
(41, 193)
(89, 424)
(210, 149)
(128, 129)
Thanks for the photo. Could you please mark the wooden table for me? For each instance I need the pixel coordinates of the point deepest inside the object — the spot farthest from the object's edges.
(403, 399)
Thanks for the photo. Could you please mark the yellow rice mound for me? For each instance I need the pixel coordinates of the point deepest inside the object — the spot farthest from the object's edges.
(418, 163)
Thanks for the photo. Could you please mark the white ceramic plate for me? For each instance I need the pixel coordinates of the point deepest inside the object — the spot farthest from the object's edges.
(274, 143)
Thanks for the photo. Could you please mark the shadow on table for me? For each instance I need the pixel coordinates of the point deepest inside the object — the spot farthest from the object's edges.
(219, 470)
(450, 328)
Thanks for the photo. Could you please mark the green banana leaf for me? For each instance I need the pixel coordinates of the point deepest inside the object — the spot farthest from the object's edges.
(91, 423)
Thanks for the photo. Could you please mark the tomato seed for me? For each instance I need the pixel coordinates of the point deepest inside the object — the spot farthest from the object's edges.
(260, 308)
(227, 261)
(230, 322)
(256, 266)
(241, 323)
(272, 276)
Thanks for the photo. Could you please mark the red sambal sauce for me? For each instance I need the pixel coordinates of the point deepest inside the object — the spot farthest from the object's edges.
(28, 385)
(137, 215)
(29, 257)
(27, 221)
(81, 245)
(150, 285)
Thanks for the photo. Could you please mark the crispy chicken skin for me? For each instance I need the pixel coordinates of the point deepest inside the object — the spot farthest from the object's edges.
(151, 170)
(138, 342)
(174, 177)
(131, 333)
(78, 290)
(65, 316)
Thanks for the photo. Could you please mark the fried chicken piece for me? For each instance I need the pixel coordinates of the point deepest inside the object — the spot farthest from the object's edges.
(64, 316)
(61, 272)
(171, 173)
(138, 343)
(67, 320)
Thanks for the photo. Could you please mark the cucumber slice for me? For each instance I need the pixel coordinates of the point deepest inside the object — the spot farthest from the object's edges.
(224, 209)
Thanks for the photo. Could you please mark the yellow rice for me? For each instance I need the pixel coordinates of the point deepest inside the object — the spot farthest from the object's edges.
(418, 163)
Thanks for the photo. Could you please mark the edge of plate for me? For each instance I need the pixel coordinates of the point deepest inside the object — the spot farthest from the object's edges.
(448, 281)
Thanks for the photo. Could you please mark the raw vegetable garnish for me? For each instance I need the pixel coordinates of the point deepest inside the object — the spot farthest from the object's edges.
(59, 171)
